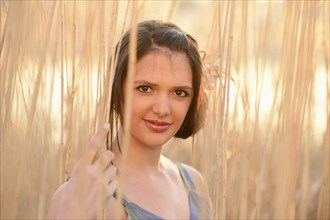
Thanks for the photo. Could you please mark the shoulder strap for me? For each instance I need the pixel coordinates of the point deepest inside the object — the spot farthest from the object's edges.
(186, 177)
(125, 201)
(134, 211)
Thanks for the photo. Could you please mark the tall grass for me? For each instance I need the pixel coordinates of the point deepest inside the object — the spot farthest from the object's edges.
(264, 150)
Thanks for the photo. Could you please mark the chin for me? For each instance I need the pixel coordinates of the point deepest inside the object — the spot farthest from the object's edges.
(155, 141)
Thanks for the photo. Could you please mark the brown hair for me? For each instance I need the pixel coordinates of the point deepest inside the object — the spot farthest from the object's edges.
(153, 34)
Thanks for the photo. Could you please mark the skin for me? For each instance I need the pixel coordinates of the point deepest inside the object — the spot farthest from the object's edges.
(74, 200)
(162, 94)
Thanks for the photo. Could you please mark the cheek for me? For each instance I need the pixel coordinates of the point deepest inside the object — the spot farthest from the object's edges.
(182, 109)
(139, 106)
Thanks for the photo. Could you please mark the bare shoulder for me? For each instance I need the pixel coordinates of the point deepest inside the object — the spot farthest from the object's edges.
(195, 175)
(201, 187)
(197, 179)
(199, 183)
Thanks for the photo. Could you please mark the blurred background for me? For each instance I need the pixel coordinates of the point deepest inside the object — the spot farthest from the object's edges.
(264, 150)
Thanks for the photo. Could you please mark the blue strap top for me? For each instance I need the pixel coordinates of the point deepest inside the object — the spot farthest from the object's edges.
(197, 204)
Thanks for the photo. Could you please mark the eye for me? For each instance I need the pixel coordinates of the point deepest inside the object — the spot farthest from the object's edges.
(181, 93)
(144, 89)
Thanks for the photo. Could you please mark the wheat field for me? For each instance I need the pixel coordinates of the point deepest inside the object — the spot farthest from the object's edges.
(264, 150)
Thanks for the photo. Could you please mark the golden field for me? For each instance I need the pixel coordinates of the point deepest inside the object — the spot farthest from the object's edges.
(264, 150)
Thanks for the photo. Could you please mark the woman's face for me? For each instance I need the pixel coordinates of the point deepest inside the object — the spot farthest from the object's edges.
(161, 96)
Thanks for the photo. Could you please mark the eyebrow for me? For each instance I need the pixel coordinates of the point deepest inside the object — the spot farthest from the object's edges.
(155, 85)
(145, 82)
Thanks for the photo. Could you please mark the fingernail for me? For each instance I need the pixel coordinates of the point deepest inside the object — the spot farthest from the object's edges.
(106, 126)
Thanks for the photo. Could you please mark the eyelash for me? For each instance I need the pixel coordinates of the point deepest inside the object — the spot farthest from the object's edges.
(185, 94)
(140, 89)
(149, 89)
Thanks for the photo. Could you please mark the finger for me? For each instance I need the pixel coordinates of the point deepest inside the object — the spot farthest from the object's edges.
(106, 158)
(110, 174)
(111, 188)
(95, 142)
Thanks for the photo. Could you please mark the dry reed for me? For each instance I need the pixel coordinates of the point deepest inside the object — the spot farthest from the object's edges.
(264, 151)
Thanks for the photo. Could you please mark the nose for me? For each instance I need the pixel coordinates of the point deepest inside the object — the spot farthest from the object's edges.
(161, 105)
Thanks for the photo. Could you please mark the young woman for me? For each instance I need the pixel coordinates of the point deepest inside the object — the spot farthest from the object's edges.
(167, 101)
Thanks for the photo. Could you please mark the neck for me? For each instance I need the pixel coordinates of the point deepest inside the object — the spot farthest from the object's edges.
(140, 158)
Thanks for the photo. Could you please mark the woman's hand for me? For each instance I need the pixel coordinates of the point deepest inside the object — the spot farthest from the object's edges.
(91, 185)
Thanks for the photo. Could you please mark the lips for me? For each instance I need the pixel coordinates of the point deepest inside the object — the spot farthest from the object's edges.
(157, 126)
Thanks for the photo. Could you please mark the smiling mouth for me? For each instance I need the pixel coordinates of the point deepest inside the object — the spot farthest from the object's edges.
(157, 126)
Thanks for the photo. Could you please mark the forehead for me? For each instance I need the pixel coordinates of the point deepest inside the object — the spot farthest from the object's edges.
(164, 66)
